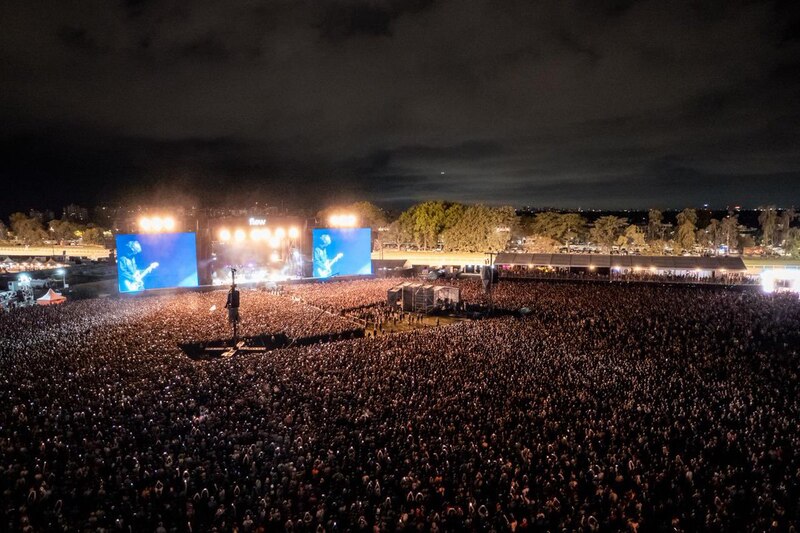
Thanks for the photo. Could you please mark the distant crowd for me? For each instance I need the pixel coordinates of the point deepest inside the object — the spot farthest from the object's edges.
(608, 408)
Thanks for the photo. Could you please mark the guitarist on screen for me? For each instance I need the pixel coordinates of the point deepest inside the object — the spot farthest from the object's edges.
(130, 276)
(323, 267)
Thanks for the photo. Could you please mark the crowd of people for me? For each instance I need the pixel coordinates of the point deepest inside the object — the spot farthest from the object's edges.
(607, 408)
(338, 296)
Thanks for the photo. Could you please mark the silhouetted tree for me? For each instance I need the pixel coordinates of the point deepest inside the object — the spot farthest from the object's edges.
(607, 230)
(768, 218)
(26, 229)
(655, 219)
(687, 226)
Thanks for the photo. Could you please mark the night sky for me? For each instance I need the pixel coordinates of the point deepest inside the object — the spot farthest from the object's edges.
(593, 103)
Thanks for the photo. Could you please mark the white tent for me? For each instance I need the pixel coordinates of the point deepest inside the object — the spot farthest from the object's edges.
(51, 297)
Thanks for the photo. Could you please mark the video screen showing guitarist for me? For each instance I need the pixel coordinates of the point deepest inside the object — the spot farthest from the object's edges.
(323, 265)
(130, 276)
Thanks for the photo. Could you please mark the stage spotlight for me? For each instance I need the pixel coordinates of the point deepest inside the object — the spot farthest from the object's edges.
(225, 235)
(343, 220)
(255, 235)
(239, 235)
(280, 233)
(294, 232)
(169, 223)
(145, 224)
(274, 242)
(157, 224)
(274, 257)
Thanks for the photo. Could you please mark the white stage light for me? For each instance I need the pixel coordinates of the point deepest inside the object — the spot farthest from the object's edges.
(280, 233)
(239, 235)
(294, 232)
(225, 235)
(780, 280)
(145, 224)
(169, 223)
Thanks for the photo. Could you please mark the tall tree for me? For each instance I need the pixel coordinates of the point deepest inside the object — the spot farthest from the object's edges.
(3, 231)
(546, 224)
(26, 229)
(655, 219)
(769, 222)
(687, 215)
(565, 228)
(632, 239)
(399, 231)
(687, 226)
(428, 222)
(481, 228)
(538, 244)
(787, 217)
(62, 230)
(729, 232)
(792, 243)
(574, 227)
(424, 223)
(93, 236)
(710, 237)
(607, 230)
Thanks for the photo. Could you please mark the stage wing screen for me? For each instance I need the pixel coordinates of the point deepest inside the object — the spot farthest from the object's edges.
(342, 252)
(156, 261)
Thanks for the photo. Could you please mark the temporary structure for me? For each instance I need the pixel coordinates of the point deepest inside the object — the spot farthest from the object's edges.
(421, 297)
(51, 297)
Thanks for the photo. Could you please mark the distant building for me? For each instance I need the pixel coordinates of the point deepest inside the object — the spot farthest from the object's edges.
(76, 213)
(42, 216)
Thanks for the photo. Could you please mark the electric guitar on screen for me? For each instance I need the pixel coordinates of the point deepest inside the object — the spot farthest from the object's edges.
(137, 284)
(326, 269)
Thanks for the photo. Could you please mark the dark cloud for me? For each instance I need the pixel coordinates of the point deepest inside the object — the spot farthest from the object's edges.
(513, 102)
(344, 19)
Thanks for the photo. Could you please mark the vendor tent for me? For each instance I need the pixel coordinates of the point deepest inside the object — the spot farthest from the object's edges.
(51, 297)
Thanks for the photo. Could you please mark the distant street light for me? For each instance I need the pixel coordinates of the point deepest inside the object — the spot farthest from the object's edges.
(63, 273)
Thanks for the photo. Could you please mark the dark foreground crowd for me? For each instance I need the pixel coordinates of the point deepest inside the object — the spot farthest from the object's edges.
(608, 408)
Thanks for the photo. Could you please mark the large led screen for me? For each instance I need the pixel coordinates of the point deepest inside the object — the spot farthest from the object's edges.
(342, 252)
(156, 261)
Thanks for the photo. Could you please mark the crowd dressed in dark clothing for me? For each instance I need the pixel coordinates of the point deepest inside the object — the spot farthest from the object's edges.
(607, 408)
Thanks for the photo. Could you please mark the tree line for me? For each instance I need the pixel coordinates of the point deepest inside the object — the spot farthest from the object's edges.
(452, 226)
(24, 229)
